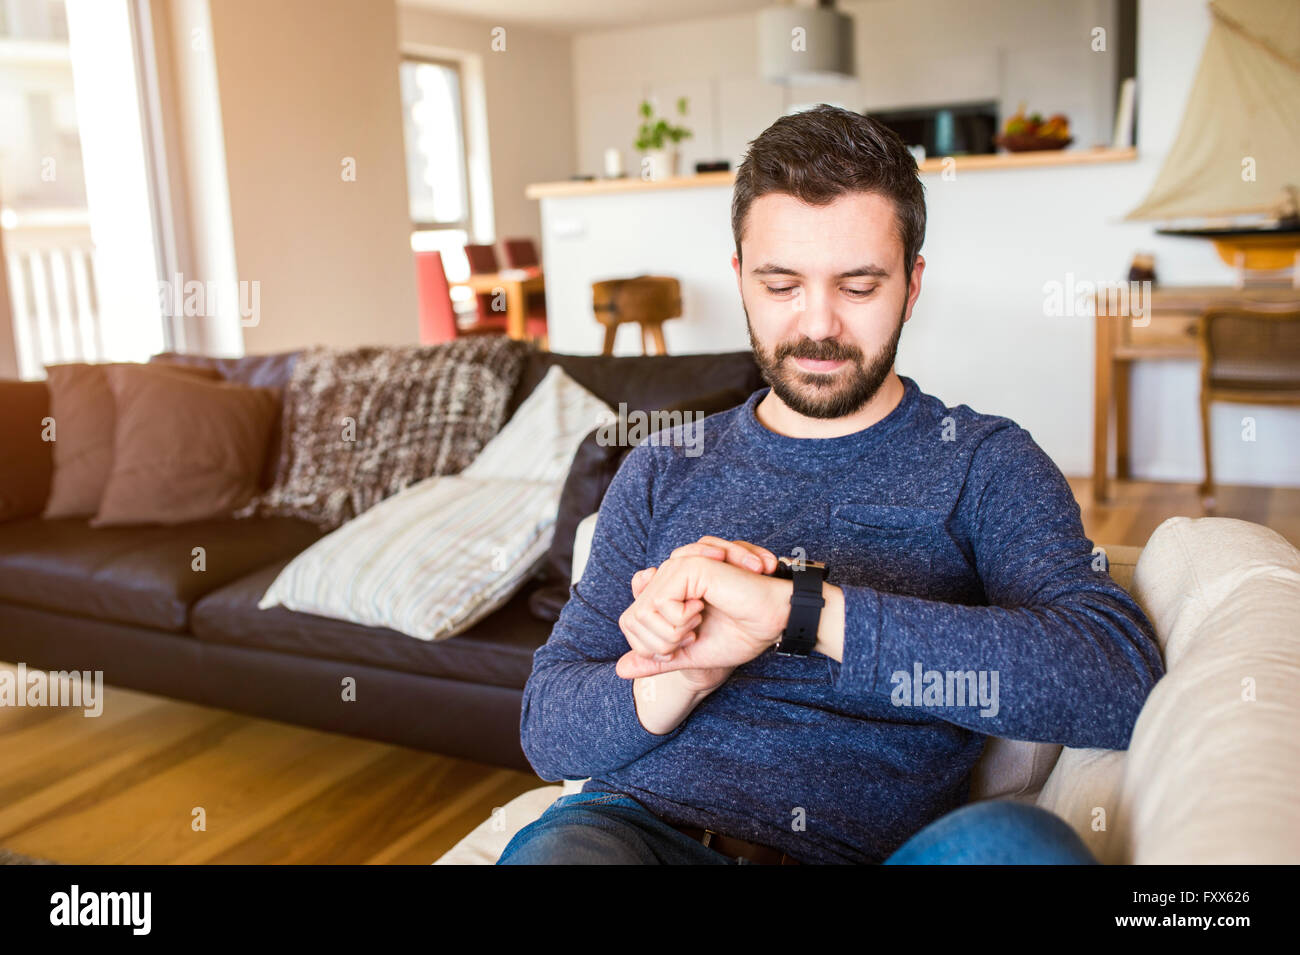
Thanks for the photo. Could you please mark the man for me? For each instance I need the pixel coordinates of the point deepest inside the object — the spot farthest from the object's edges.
(727, 713)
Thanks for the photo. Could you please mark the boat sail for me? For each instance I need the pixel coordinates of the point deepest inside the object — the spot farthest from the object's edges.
(1237, 152)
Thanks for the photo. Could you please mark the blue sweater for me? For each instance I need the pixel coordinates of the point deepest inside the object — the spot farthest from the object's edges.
(959, 548)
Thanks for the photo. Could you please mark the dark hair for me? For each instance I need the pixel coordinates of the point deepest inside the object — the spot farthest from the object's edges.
(825, 152)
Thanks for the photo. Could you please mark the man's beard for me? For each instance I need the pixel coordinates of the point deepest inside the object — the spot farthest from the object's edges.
(830, 395)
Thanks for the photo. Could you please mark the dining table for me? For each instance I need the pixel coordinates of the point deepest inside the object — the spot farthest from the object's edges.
(517, 285)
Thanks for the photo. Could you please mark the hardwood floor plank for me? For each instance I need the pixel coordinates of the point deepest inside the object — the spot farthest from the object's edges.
(79, 774)
(378, 804)
(472, 796)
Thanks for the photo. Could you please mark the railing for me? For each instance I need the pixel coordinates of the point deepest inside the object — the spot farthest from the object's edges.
(50, 261)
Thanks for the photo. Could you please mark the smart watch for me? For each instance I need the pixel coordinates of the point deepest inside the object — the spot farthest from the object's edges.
(806, 602)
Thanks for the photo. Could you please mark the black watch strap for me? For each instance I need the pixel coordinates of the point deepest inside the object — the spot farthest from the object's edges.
(806, 604)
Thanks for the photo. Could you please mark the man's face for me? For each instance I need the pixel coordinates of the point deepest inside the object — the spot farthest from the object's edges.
(825, 298)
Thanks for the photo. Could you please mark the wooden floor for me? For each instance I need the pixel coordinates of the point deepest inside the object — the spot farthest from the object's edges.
(122, 788)
(1137, 508)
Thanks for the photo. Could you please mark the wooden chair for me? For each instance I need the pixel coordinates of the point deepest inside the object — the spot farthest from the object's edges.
(648, 300)
(1248, 356)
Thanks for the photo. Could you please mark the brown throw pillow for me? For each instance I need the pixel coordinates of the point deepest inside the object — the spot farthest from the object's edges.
(184, 449)
(27, 457)
(81, 405)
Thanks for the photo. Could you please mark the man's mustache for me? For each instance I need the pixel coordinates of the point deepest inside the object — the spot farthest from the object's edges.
(825, 350)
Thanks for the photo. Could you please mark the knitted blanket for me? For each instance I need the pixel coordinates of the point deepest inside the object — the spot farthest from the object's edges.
(361, 425)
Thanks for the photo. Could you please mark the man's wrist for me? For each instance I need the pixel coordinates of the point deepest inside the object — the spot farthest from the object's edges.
(784, 590)
(664, 700)
(830, 626)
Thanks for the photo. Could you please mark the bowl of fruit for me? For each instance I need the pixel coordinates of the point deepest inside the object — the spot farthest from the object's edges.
(1021, 133)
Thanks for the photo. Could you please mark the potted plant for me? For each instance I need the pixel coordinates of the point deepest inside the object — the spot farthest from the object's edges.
(657, 140)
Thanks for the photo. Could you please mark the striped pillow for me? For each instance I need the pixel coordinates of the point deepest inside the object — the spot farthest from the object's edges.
(437, 557)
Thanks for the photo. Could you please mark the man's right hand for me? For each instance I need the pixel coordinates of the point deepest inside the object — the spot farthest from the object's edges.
(704, 680)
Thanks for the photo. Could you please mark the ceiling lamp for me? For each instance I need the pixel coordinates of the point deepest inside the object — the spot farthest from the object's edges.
(805, 42)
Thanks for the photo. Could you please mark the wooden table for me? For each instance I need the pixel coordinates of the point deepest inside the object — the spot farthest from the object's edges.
(1161, 326)
(516, 284)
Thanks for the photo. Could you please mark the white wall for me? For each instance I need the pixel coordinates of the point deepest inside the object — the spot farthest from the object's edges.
(300, 86)
(909, 53)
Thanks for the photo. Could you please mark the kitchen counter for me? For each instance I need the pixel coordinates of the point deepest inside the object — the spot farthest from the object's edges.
(1045, 158)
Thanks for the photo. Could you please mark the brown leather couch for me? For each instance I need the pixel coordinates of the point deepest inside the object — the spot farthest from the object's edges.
(125, 601)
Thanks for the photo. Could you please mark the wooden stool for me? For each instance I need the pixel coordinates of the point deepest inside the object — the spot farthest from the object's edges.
(648, 300)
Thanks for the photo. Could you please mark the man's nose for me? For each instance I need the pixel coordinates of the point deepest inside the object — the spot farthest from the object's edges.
(816, 316)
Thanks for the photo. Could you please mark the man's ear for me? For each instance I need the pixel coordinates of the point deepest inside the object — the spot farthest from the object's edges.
(914, 285)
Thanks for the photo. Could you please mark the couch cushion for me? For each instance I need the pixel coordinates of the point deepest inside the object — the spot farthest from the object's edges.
(643, 382)
(498, 650)
(257, 371)
(82, 406)
(136, 575)
(184, 450)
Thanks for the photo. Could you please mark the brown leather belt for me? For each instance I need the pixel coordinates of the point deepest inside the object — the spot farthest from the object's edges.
(751, 852)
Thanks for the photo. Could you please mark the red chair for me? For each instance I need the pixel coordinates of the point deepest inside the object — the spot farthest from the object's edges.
(483, 260)
(437, 314)
(520, 253)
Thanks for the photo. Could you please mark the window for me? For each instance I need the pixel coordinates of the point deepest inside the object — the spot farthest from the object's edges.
(433, 115)
(80, 258)
(433, 111)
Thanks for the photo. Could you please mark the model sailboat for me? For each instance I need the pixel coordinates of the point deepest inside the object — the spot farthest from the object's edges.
(1233, 173)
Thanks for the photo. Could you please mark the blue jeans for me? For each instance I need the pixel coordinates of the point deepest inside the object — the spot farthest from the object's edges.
(600, 828)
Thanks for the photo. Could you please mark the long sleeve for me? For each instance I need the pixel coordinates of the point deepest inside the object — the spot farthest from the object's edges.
(1073, 655)
(579, 717)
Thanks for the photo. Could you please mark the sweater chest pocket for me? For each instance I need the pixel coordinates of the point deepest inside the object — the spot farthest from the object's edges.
(887, 546)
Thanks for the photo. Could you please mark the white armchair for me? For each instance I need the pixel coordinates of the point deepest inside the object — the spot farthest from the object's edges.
(1210, 772)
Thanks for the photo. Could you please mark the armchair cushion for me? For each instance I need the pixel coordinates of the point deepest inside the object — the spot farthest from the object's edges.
(1210, 771)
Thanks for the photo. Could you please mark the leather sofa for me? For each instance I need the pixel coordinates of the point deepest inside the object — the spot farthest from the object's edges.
(126, 600)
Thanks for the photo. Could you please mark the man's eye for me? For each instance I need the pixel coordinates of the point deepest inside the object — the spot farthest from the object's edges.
(783, 289)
